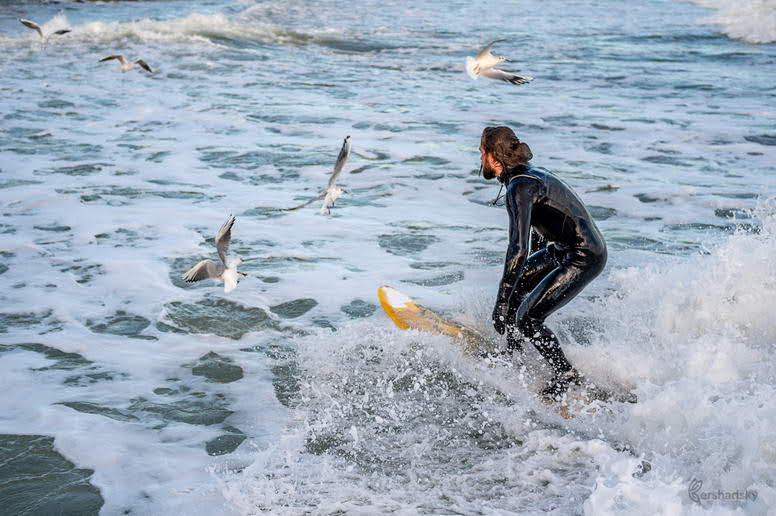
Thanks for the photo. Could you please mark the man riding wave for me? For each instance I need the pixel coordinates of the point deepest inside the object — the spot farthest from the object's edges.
(536, 284)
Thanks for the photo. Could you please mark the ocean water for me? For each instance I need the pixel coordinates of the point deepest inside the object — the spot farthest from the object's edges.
(127, 391)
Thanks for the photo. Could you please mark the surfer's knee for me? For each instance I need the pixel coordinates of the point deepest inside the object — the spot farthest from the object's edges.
(601, 255)
(593, 260)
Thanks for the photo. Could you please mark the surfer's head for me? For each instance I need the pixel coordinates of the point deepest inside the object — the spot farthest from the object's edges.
(501, 150)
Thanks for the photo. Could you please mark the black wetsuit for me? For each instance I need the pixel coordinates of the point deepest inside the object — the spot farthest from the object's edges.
(533, 286)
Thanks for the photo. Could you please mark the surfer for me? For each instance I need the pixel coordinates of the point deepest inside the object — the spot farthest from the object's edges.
(534, 285)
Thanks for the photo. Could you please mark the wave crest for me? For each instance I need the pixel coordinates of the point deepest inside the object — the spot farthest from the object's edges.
(753, 21)
(203, 28)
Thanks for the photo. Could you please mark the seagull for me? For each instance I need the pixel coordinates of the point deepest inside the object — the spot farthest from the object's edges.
(331, 193)
(483, 65)
(35, 26)
(125, 66)
(208, 269)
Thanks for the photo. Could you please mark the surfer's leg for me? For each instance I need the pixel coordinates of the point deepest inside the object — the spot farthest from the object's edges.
(546, 343)
(536, 267)
(553, 291)
(548, 346)
(556, 289)
(514, 340)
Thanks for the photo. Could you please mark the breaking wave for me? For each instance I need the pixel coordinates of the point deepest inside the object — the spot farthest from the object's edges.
(217, 29)
(390, 421)
(753, 21)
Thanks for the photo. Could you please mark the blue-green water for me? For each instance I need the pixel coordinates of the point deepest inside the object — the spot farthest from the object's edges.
(294, 393)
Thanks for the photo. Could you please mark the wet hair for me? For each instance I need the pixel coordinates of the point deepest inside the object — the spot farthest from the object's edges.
(505, 147)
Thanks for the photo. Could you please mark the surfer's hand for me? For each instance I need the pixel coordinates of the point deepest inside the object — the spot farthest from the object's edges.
(500, 317)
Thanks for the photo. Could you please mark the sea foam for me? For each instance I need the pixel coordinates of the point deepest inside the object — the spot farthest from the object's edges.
(753, 21)
(213, 29)
(691, 335)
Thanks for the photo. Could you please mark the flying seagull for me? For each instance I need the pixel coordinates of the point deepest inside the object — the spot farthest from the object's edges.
(483, 65)
(208, 269)
(125, 66)
(332, 192)
(35, 26)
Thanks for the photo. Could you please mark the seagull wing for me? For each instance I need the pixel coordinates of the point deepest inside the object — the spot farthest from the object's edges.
(501, 75)
(61, 31)
(120, 57)
(200, 271)
(487, 48)
(306, 203)
(144, 65)
(224, 237)
(32, 25)
(341, 159)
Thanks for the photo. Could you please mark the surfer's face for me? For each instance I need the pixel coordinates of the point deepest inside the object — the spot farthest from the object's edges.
(490, 167)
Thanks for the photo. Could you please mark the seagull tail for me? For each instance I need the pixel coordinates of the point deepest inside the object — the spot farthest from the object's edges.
(470, 64)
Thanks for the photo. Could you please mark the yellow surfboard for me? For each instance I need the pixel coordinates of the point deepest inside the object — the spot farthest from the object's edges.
(408, 314)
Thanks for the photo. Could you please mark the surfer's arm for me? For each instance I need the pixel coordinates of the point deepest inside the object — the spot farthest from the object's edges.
(520, 198)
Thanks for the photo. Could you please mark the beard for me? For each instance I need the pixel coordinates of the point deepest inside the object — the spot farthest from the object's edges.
(487, 172)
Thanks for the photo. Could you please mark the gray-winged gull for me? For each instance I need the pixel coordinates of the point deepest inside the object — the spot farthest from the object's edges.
(126, 66)
(36, 27)
(226, 272)
(332, 192)
(483, 65)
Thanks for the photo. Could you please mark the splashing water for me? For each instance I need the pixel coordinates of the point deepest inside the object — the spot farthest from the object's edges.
(145, 382)
(387, 421)
(753, 21)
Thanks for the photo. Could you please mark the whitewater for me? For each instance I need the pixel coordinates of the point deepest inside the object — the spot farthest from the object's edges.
(129, 391)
